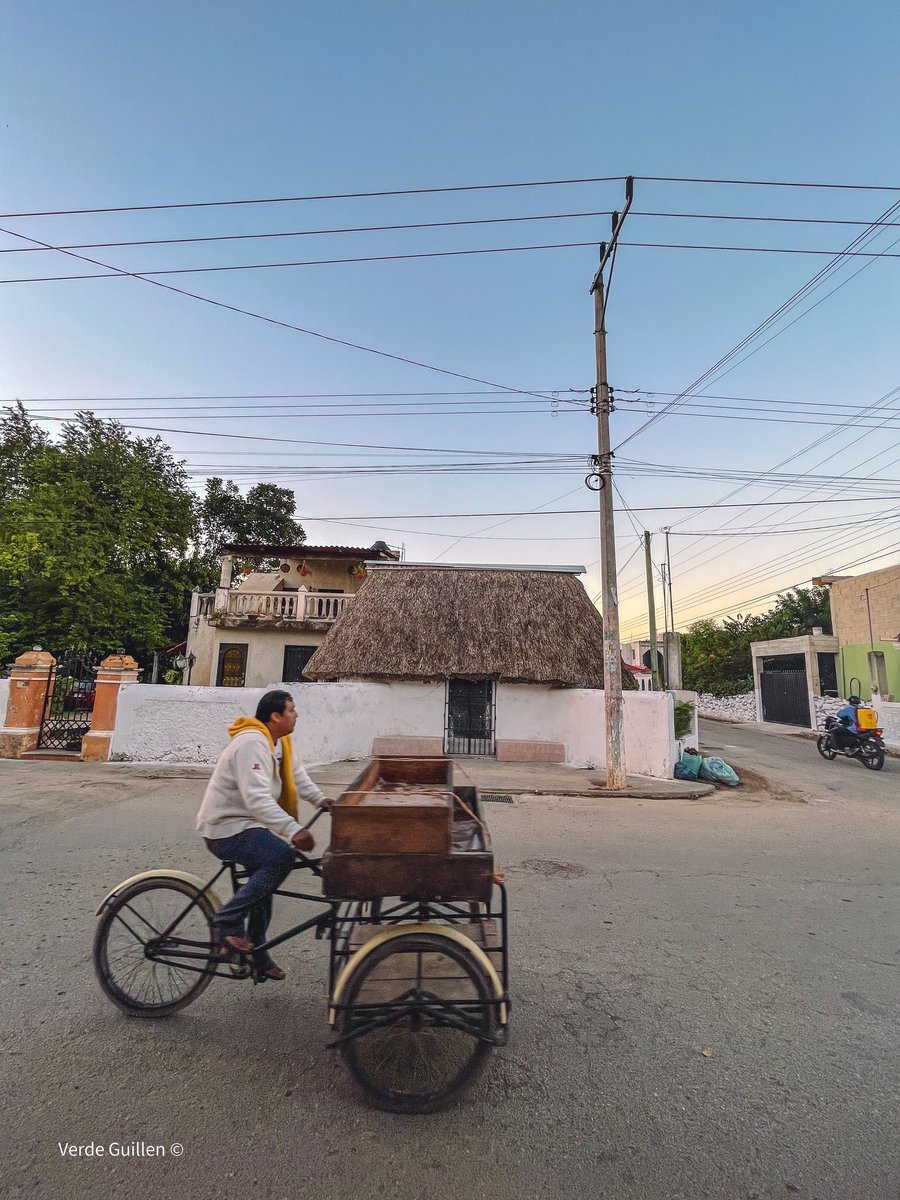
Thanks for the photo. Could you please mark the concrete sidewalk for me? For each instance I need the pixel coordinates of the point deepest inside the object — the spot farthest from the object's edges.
(536, 779)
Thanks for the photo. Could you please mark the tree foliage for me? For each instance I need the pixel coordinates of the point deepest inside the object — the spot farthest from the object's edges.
(102, 539)
(716, 657)
(265, 514)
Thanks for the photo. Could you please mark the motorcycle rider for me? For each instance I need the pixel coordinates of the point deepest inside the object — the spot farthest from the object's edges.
(849, 721)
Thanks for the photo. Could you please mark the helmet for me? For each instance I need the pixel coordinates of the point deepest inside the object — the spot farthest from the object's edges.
(854, 700)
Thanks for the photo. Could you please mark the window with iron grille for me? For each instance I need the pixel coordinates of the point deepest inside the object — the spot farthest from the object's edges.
(295, 659)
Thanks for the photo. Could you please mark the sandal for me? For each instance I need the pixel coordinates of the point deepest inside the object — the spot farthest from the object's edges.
(270, 970)
(237, 942)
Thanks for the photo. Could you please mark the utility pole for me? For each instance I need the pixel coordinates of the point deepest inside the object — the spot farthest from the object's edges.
(612, 653)
(662, 580)
(651, 607)
(669, 577)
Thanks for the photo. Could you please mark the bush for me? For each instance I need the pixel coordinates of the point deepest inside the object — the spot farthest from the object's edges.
(684, 718)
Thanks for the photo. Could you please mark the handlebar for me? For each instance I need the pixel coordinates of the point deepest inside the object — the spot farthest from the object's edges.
(312, 820)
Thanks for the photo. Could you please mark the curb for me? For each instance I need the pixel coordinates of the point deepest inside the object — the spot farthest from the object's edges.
(600, 793)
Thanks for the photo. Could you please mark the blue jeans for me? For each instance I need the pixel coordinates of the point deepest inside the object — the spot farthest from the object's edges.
(269, 861)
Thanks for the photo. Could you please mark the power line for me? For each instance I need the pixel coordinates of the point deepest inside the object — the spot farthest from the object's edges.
(879, 404)
(406, 226)
(563, 395)
(562, 512)
(785, 588)
(252, 437)
(790, 587)
(779, 183)
(281, 396)
(785, 562)
(621, 393)
(425, 191)
(441, 409)
(716, 370)
(430, 225)
(487, 528)
(796, 419)
(169, 287)
(298, 233)
(117, 273)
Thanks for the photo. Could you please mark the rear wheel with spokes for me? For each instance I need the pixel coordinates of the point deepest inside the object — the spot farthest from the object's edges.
(872, 757)
(421, 1014)
(142, 932)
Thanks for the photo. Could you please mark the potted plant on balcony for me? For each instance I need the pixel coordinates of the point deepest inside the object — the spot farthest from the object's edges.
(358, 571)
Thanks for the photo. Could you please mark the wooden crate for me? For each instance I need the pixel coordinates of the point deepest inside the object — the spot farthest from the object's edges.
(396, 806)
(382, 823)
(429, 772)
(399, 830)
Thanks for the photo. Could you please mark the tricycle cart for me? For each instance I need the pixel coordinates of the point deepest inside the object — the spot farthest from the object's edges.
(415, 917)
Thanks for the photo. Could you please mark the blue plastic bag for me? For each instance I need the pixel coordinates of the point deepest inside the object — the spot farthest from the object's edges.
(690, 765)
(716, 770)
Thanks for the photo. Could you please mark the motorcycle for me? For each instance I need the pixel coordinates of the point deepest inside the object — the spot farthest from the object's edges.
(839, 738)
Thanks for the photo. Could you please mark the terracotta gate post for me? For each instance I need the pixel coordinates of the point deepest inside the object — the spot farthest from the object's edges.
(115, 670)
(29, 682)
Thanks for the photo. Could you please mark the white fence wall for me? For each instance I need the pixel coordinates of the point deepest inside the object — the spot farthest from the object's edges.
(889, 719)
(4, 699)
(339, 721)
(577, 718)
(336, 720)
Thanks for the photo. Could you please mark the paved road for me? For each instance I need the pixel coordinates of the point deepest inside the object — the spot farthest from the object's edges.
(790, 762)
(645, 932)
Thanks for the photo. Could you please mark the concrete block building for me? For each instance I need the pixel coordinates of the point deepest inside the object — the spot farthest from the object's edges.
(865, 615)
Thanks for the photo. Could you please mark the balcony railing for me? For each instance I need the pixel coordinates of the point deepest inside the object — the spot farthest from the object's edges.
(272, 606)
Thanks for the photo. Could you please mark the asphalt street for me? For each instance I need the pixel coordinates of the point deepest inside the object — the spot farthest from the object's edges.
(706, 1005)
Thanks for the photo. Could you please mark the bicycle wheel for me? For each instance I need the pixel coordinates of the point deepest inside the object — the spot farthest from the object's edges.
(419, 1037)
(144, 986)
(825, 748)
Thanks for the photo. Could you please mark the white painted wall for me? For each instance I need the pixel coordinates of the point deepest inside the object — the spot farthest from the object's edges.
(336, 720)
(4, 700)
(339, 721)
(577, 718)
(889, 720)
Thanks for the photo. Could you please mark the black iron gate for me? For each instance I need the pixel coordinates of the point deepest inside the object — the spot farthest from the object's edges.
(470, 717)
(69, 701)
(785, 697)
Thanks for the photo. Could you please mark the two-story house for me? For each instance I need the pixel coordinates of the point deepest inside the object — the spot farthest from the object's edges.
(266, 627)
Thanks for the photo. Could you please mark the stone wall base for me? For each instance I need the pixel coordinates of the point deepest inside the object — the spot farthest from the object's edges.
(414, 747)
(15, 744)
(95, 747)
(523, 751)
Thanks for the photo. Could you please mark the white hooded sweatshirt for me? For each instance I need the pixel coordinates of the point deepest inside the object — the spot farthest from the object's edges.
(244, 788)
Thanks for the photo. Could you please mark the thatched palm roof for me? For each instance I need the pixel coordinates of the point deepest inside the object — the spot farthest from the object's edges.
(517, 626)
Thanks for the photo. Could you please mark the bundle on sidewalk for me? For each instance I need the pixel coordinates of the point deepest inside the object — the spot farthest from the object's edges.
(693, 765)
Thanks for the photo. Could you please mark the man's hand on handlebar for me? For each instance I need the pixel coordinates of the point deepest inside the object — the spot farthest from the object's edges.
(303, 840)
(326, 804)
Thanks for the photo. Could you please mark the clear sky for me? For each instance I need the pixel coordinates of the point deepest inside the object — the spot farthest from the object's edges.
(119, 105)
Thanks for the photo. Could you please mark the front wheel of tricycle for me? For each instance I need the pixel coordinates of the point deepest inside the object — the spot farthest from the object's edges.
(142, 932)
(419, 1018)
